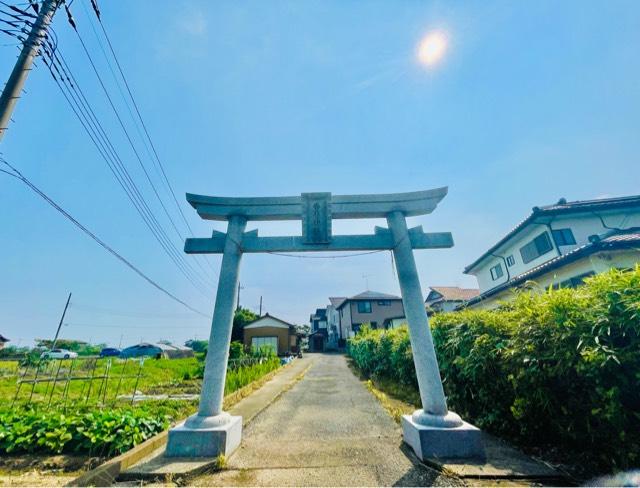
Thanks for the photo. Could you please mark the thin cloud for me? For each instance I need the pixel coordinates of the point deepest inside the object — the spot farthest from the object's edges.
(193, 22)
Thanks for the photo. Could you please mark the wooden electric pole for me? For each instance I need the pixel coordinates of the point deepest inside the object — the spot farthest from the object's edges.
(30, 50)
(64, 312)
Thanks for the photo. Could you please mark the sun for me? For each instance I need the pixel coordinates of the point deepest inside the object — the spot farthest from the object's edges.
(432, 48)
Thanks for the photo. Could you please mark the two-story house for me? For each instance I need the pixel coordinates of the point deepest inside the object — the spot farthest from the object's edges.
(370, 307)
(319, 333)
(559, 245)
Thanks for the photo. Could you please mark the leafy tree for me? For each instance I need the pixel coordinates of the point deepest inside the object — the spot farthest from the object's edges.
(81, 347)
(241, 317)
(13, 351)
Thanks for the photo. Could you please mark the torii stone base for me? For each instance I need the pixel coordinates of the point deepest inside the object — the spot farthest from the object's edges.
(188, 442)
(461, 442)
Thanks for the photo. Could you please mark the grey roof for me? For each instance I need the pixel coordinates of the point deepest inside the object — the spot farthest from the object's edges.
(337, 301)
(374, 295)
(628, 239)
(370, 295)
(3, 338)
(561, 207)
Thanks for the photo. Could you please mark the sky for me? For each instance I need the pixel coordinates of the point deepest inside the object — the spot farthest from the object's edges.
(530, 102)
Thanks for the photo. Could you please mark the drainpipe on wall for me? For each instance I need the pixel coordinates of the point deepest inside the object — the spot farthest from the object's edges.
(506, 267)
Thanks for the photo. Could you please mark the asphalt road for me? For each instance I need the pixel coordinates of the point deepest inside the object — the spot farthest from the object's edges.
(327, 430)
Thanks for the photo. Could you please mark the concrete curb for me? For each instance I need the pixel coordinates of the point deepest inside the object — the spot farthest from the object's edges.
(106, 474)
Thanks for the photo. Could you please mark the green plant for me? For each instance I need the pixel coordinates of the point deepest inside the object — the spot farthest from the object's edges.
(559, 369)
(106, 431)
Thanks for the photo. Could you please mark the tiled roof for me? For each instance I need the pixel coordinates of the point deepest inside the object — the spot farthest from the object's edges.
(561, 207)
(370, 295)
(618, 240)
(455, 293)
(374, 295)
(271, 317)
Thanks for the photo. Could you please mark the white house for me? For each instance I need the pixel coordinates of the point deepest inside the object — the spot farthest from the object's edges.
(559, 245)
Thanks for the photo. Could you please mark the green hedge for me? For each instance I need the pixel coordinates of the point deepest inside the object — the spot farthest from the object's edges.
(559, 369)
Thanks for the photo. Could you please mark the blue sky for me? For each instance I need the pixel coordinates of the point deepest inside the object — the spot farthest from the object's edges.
(532, 101)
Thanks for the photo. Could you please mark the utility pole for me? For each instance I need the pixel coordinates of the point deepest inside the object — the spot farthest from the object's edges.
(240, 287)
(29, 52)
(55, 339)
(260, 314)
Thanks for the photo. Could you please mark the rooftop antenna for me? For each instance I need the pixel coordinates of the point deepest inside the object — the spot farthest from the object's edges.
(365, 277)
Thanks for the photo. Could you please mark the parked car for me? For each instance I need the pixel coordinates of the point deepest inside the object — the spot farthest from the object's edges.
(109, 352)
(58, 354)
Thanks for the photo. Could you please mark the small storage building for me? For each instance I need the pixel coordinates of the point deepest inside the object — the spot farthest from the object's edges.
(273, 332)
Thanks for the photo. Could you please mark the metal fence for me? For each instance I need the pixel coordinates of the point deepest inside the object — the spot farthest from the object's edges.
(89, 380)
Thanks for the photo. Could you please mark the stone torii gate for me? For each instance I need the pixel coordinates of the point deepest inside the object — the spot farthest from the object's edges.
(431, 431)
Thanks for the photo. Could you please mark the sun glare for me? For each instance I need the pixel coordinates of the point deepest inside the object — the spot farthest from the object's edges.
(432, 47)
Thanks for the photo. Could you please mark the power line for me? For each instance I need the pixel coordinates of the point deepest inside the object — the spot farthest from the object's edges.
(16, 174)
(124, 129)
(86, 115)
(100, 326)
(157, 161)
(95, 134)
(119, 313)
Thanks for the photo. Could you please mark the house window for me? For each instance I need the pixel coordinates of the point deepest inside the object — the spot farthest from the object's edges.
(364, 307)
(563, 237)
(536, 248)
(511, 260)
(575, 281)
(496, 272)
(384, 303)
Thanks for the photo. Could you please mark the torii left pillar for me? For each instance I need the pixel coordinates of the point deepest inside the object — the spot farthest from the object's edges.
(211, 431)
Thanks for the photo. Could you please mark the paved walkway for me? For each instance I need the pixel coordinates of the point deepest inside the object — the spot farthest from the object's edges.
(327, 430)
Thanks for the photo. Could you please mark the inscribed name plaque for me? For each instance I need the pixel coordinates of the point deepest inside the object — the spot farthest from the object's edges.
(316, 218)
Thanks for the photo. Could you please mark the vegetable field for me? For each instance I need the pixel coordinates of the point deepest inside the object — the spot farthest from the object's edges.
(87, 406)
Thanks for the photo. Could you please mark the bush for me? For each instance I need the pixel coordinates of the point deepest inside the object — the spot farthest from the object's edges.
(558, 369)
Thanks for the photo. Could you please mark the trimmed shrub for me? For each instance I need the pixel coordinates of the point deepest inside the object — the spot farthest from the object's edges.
(558, 369)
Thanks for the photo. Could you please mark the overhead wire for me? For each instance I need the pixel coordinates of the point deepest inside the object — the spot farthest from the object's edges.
(123, 127)
(92, 126)
(85, 114)
(18, 175)
(157, 161)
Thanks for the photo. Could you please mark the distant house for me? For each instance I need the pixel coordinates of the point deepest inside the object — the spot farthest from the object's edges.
(156, 350)
(3, 341)
(370, 307)
(272, 332)
(448, 298)
(559, 245)
(319, 335)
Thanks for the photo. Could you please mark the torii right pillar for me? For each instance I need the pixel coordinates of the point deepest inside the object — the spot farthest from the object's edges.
(433, 431)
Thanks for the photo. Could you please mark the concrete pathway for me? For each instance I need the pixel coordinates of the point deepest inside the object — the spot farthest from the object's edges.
(327, 430)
